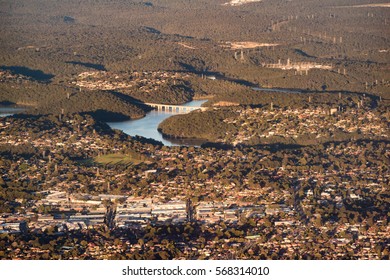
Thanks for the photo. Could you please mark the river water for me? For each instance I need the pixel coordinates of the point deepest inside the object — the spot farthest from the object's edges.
(8, 111)
(147, 126)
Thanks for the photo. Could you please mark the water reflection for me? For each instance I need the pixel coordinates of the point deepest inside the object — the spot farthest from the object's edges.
(8, 111)
(147, 127)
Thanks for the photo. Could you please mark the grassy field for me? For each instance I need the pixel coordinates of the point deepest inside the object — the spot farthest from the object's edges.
(113, 159)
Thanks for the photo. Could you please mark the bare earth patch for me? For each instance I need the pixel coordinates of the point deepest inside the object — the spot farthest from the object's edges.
(299, 66)
(240, 2)
(186, 46)
(225, 104)
(383, 5)
(246, 45)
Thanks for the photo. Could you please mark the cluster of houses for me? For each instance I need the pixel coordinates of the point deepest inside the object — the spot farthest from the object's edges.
(64, 138)
(293, 123)
(298, 66)
(142, 81)
(7, 76)
(82, 211)
(221, 189)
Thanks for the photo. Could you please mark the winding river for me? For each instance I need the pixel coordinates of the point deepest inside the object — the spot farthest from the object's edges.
(147, 127)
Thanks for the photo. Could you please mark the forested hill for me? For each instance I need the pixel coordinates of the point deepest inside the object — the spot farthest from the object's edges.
(51, 42)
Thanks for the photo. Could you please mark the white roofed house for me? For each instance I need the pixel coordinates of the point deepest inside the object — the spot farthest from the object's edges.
(15, 227)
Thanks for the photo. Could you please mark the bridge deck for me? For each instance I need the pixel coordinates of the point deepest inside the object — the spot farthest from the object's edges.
(175, 108)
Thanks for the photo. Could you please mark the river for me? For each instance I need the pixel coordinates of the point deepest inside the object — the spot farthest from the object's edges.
(8, 111)
(147, 126)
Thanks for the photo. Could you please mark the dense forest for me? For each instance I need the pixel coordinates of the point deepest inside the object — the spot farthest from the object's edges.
(48, 47)
(296, 127)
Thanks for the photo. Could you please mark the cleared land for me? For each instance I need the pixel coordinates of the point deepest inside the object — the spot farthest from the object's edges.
(240, 2)
(186, 46)
(247, 45)
(115, 159)
(383, 5)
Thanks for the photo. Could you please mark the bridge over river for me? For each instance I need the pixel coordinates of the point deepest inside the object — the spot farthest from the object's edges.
(175, 108)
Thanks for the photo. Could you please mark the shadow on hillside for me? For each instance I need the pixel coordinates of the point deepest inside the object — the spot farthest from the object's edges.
(107, 116)
(95, 66)
(139, 103)
(37, 75)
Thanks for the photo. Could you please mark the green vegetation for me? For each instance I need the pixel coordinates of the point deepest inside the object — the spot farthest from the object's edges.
(116, 159)
(347, 181)
(317, 178)
(46, 49)
(202, 125)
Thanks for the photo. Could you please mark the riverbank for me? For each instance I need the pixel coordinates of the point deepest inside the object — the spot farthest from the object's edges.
(148, 126)
(11, 110)
(182, 141)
